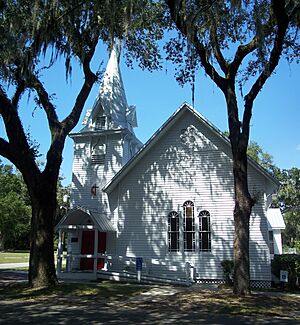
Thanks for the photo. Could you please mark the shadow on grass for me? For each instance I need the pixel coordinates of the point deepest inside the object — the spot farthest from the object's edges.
(107, 290)
(258, 304)
(120, 303)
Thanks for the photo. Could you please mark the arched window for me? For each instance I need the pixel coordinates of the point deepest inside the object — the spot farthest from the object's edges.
(189, 226)
(204, 231)
(173, 231)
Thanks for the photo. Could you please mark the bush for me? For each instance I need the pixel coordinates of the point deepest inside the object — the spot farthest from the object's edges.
(290, 263)
(227, 266)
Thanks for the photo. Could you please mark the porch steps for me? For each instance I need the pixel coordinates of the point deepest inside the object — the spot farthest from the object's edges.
(145, 278)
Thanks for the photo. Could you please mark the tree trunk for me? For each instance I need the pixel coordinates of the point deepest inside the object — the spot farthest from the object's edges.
(242, 211)
(41, 264)
(239, 138)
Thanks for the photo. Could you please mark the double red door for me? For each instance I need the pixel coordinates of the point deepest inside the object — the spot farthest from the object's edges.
(87, 247)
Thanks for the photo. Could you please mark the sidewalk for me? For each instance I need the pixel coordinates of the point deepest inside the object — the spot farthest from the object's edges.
(11, 266)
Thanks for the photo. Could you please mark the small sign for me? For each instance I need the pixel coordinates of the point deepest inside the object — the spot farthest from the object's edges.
(284, 276)
(139, 263)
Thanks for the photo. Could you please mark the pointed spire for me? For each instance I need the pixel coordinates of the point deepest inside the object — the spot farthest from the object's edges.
(112, 94)
(112, 98)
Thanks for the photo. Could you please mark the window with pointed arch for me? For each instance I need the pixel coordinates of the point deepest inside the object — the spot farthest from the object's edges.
(204, 231)
(189, 226)
(173, 231)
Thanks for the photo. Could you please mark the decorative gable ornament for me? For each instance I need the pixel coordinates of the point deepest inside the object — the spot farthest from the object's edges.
(195, 140)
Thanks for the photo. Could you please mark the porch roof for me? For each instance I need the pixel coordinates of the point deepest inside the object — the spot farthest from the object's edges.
(275, 219)
(80, 217)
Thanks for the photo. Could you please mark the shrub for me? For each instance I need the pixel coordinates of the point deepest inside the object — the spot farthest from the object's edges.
(290, 263)
(227, 266)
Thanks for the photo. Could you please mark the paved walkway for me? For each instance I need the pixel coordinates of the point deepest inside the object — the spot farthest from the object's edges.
(11, 266)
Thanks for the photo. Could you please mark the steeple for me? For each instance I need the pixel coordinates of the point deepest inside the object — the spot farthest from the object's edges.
(106, 142)
(111, 100)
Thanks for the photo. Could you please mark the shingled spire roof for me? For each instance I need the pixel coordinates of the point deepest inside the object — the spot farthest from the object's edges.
(112, 98)
(112, 94)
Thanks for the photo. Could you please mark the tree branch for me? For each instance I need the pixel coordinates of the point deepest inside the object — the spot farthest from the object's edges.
(282, 26)
(241, 53)
(5, 150)
(244, 50)
(45, 101)
(187, 30)
(90, 78)
(17, 150)
(217, 51)
(54, 154)
(18, 93)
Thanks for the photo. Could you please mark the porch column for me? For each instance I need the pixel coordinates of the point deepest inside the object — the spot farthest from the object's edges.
(59, 251)
(95, 251)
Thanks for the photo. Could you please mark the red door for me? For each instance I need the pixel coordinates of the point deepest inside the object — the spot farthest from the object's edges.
(101, 249)
(87, 247)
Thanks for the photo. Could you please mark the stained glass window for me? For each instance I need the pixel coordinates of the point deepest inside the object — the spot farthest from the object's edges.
(189, 226)
(173, 231)
(204, 231)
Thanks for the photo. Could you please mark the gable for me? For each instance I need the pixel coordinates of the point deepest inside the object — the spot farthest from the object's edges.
(196, 135)
(182, 143)
(185, 157)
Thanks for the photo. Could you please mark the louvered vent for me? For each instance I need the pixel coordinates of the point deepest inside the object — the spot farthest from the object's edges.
(101, 123)
(98, 159)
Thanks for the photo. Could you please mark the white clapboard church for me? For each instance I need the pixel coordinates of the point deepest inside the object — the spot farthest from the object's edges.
(164, 208)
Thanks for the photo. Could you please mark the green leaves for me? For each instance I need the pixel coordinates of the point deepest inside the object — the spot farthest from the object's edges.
(15, 210)
(288, 199)
(262, 158)
(14, 221)
(221, 27)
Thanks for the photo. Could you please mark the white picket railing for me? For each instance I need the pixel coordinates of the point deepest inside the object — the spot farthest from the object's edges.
(123, 266)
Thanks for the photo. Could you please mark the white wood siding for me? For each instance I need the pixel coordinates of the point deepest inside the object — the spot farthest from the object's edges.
(168, 175)
(85, 174)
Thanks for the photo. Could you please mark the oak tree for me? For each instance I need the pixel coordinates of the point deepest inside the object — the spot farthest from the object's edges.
(30, 30)
(239, 45)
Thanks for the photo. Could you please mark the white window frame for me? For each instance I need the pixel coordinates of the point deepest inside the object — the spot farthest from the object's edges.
(173, 215)
(189, 204)
(204, 214)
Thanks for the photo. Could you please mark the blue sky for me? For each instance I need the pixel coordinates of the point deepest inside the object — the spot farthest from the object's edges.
(275, 123)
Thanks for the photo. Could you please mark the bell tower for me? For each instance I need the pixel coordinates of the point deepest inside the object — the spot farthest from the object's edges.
(106, 142)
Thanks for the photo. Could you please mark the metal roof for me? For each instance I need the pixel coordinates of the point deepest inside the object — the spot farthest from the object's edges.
(275, 219)
(78, 216)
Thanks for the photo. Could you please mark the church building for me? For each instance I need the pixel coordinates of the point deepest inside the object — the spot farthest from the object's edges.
(162, 210)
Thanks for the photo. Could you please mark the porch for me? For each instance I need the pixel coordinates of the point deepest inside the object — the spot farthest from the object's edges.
(82, 243)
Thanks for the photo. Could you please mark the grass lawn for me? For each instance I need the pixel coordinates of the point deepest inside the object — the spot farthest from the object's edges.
(14, 257)
(259, 305)
(106, 289)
